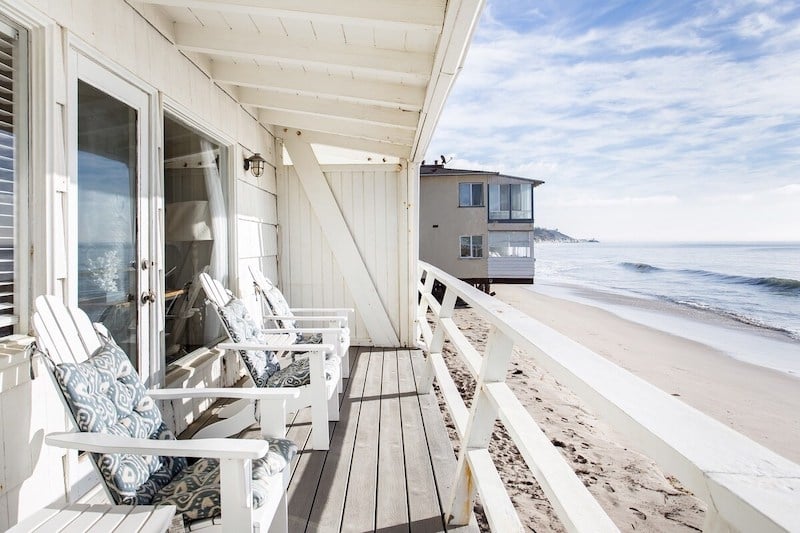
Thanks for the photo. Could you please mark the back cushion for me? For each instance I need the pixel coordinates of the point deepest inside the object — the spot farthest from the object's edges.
(242, 328)
(105, 395)
(279, 306)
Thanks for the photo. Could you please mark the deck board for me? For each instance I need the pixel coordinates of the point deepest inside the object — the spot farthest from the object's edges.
(326, 513)
(391, 514)
(425, 513)
(359, 507)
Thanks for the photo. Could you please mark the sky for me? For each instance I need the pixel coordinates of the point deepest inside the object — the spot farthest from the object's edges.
(648, 121)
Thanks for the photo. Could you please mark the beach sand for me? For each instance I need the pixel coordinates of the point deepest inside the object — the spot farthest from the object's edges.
(761, 403)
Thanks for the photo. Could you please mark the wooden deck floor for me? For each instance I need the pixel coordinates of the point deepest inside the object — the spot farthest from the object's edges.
(390, 464)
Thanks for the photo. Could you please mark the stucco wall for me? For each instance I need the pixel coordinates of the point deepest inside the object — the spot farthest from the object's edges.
(440, 245)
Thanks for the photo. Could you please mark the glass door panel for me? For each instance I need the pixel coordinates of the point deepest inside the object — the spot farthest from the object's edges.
(108, 286)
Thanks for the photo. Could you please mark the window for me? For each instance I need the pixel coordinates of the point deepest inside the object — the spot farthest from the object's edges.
(511, 201)
(470, 194)
(13, 89)
(195, 234)
(471, 246)
(509, 244)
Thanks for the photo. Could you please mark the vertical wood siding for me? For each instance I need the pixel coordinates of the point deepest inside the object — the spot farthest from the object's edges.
(373, 203)
(32, 475)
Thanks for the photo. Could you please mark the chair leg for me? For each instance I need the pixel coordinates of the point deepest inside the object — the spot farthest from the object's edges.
(346, 359)
(229, 426)
(333, 408)
(280, 522)
(232, 408)
(319, 400)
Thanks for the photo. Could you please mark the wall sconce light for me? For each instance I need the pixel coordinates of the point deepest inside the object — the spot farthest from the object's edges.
(255, 164)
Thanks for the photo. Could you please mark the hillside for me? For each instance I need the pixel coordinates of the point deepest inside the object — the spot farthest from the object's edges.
(553, 235)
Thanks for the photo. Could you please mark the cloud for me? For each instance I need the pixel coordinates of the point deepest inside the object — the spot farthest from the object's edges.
(640, 101)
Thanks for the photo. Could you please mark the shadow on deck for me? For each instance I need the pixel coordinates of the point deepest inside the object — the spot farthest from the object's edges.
(390, 465)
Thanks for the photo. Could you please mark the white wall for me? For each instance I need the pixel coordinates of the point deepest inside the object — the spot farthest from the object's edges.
(373, 200)
(510, 267)
(32, 475)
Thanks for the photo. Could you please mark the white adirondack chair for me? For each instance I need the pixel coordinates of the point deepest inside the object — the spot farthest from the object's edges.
(324, 365)
(66, 335)
(275, 307)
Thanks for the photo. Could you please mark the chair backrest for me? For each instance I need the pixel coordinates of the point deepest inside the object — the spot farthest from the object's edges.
(240, 327)
(66, 335)
(276, 304)
(103, 393)
(215, 291)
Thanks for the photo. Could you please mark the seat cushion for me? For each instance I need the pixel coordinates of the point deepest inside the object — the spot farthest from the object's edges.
(195, 492)
(261, 364)
(298, 373)
(309, 338)
(105, 395)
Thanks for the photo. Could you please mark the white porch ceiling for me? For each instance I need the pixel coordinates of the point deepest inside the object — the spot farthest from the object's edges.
(367, 75)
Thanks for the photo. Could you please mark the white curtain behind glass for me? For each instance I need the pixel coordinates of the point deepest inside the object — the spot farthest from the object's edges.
(218, 267)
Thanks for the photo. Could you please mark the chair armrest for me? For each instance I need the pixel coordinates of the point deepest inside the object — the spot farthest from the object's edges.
(276, 347)
(307, 318)
(303, 330)
(211, 448)
(322, 309)
(233, 392)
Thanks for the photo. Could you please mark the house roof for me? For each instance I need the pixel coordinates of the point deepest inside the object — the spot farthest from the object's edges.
(440, 170)
(370, 76)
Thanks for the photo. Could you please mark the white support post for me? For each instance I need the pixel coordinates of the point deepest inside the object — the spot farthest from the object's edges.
(437, 342)
(235, 480)
(334, 227)
(480, 425)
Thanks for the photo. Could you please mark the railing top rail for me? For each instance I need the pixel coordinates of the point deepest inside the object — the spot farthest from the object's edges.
(720, 465)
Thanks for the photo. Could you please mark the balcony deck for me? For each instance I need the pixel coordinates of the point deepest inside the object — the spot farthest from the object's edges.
(390, 464)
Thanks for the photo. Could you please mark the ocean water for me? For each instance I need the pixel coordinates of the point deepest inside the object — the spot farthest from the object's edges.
(753, 283)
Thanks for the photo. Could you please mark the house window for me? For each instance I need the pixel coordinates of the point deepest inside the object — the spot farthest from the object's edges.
(470, 194)
(509, 244)
(13, 98)
(471, 246)
(511, 201)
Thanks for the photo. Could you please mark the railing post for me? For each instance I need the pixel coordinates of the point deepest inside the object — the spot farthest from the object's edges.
(437, 342)
(483, 415)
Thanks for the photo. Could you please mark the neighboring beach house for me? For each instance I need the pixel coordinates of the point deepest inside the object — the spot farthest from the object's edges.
(145, 141)
(477, 225)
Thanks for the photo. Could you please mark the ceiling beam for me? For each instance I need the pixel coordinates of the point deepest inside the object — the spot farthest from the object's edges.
(326, 107)
(363, 145)
(320, 84)
(323, 56)
(337, 126)
(404, 15)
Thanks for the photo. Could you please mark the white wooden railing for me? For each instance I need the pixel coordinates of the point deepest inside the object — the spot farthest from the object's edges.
(746, 486)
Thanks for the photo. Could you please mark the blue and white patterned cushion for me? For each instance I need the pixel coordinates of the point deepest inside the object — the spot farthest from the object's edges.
(299, 373)
(242, 328)
(196, 491)
(279, 306)
(106, 396)
(309, 338)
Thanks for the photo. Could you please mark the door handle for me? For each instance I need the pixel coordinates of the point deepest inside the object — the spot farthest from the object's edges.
(148, 297)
